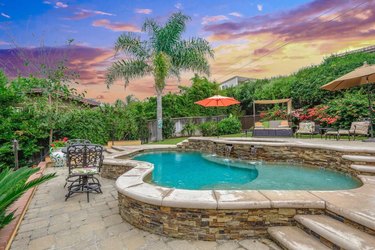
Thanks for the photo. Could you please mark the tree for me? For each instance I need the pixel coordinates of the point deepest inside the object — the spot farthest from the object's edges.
(163, 55)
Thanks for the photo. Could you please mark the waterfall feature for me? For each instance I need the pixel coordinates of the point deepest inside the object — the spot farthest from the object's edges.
(228, 150)
(253, 150)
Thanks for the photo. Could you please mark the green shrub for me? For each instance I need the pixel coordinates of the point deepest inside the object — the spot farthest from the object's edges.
(209, 128)
(353, 106)
(85, 124)
(229, 125)
(189, 129)
(168, 128)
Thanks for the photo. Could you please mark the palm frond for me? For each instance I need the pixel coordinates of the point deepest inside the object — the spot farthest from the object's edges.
(13, 184)
(192, 55)
(132, 45)
(127, 70)
(171, 33)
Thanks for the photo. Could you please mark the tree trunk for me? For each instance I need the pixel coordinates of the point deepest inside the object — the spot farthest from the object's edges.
(51, 129)
(159, 115)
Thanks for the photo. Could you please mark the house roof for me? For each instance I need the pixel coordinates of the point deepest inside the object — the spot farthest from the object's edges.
(240, 78)
(87, 101)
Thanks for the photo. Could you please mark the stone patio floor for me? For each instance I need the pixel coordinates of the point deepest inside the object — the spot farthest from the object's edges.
(52, 223)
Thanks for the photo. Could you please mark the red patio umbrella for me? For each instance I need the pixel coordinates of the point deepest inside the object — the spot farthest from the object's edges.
(217, 101)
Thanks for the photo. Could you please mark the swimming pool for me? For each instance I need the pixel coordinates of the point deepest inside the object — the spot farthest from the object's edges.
(196, 171)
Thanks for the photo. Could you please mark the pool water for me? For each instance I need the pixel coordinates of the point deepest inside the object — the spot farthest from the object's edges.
(193, 170)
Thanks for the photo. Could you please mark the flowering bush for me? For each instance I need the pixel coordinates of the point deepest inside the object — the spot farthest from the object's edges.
(59, 143)
(317, 114)
(275, 113)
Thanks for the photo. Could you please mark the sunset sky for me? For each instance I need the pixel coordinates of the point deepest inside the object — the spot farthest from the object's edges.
(251, 38)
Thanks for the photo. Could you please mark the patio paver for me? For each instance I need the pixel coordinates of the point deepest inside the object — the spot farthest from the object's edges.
(52, 223)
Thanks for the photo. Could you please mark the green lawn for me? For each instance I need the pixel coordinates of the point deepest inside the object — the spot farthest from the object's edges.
(174, 141)
(180, 139)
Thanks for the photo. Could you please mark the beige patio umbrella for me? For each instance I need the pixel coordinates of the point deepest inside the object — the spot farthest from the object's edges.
(358, 77)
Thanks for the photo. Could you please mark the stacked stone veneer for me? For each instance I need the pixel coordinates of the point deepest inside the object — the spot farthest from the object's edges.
(310, 155)
(206, 224)
(113, 168)
(216, 215)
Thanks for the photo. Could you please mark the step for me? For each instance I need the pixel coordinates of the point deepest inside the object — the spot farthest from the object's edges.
(340, 234)
(360, 158)
(111, 151)
(363, 168)
(293, 238)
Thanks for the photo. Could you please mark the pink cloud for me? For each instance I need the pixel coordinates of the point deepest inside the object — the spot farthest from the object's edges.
(115, 26)
(315, 20)
(61, 5)
(212, 19)
(143, 11)
(4, 43)
(236, 14)
(85, 13)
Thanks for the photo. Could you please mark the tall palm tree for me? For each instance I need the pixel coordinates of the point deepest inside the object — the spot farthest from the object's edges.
(162, 55)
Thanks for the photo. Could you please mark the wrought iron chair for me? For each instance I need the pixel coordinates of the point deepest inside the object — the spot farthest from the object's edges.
(84, 162)
(77, 141)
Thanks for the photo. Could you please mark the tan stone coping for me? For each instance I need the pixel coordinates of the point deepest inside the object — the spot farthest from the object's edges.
(340, 146)
(132, 185)
(355, 204)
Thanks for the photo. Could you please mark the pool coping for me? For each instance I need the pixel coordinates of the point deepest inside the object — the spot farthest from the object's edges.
(132, 184)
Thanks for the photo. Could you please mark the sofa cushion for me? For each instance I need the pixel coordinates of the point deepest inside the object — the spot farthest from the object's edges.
(259, 125)
(274, 124)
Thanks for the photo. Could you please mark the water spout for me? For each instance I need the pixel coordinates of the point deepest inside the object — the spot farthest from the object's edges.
(253, 150)
(228, 150)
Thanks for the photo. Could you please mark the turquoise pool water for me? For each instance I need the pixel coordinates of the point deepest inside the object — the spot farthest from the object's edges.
(193, 170)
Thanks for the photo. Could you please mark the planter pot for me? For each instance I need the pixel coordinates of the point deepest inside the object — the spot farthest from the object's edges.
(57, 157)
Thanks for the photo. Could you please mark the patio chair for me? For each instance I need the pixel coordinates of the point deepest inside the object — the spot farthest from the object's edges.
(77, 141)
(356, 128)
(84, 162)
(306, 128)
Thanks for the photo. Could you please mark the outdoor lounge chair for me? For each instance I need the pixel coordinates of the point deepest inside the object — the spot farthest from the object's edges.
(356, 128)
(306, 128)
(84, 162)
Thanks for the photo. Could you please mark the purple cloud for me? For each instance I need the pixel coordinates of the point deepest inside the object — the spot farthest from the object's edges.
(88, 62)
(319, 19)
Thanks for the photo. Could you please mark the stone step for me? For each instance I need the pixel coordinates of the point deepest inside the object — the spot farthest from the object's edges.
(293, 238)
(111, 151)
(359, 158)
(363, 168)
(338, 233)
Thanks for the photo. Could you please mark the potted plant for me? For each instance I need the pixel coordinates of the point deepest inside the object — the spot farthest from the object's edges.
(58, 157)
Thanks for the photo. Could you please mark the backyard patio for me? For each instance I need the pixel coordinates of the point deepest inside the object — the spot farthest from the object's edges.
(52, 223)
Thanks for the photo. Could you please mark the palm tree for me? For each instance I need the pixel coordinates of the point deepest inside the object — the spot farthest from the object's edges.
(163, 55)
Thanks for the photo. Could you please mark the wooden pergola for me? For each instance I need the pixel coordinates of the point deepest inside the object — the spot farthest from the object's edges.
(266, 102)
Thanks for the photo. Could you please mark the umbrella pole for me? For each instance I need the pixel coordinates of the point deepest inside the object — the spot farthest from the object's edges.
(371, 110)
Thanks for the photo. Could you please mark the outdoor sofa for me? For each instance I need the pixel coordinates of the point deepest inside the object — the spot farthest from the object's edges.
(272, 128)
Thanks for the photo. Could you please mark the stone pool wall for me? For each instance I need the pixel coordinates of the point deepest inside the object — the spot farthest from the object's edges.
(308, 155)
(206, 224)
(112, 169)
